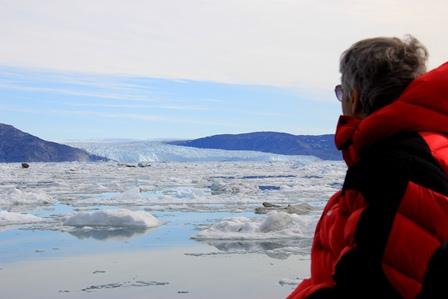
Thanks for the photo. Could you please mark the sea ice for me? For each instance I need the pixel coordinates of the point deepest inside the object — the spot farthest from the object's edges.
(275, 225)
(202, 186)
(277, 249)
(130, 195)
(289, 282)
(15, 196)
(189, 193)
(11, 218)
(113, 218)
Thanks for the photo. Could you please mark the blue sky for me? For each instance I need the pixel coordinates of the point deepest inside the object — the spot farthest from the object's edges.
(68, 105)
(94, 69)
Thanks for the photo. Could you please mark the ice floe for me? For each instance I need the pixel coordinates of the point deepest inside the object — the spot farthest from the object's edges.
(12, 218)
(278, 248)
(275, 225)
(15, 196)
(112, 218)
(239, 185)
(125, 284)
(289, 282)
(130, 195)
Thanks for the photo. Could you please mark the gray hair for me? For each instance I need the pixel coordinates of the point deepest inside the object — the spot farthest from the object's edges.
(381, 68)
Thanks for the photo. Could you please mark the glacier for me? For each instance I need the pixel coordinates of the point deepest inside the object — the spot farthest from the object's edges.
(156, 151)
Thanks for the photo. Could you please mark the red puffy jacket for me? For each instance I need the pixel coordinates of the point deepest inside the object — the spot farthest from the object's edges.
(384, 234)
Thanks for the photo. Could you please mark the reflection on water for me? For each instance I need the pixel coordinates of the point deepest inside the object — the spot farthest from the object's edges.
(278, 249)
(105, 233)
(163, 273)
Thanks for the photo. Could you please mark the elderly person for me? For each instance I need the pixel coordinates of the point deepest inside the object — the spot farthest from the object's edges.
(383, 235)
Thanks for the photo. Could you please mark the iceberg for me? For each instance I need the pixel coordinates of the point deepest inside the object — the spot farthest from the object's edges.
(113, 218)
(15, 196)
(11, 218)
(275, 225)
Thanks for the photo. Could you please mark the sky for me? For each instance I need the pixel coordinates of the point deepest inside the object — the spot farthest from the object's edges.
(180, 69)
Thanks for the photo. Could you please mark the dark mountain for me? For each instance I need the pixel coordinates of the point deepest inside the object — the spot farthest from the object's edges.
(321, 146)
(18, 146)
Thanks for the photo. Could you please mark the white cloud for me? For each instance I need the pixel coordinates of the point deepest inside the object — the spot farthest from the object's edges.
(132, 106)
(73, 92)
(275, 42)
(118, 115)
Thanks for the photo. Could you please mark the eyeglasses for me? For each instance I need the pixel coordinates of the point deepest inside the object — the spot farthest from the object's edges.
(339, 92)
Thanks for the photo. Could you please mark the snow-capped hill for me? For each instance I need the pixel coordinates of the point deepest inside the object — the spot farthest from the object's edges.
(153, 151)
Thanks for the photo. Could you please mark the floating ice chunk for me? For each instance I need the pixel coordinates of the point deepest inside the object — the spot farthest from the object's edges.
(113, 218)
(299, 209)
(275, 225)
(131, 195)
(11, 218)
(18, 197)
(219, 187)
(278, 248)
(188, 193)
(289, 282)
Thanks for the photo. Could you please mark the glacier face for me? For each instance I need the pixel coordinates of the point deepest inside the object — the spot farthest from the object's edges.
(154, 151)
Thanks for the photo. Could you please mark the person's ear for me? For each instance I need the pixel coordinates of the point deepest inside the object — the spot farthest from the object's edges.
(356, 103)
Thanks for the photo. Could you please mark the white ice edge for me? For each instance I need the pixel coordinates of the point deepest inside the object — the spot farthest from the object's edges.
(113, 218)
(167, 186)
(152, 151)
(274, 225)
(289, 281)
(12, 218)
(14, 196)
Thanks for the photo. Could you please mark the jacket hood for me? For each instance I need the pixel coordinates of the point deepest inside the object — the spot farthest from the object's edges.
(423, 106)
